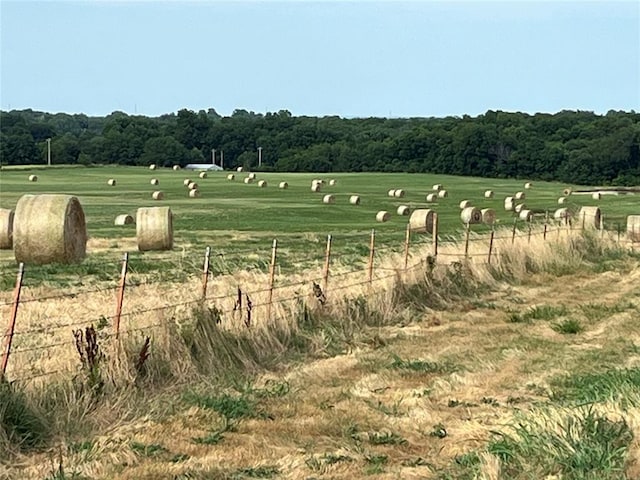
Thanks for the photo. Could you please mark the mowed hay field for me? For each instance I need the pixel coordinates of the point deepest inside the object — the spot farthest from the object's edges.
(233, 215)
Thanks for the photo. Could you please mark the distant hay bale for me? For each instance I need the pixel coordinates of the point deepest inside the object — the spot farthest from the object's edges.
(525, 215)
(471, 215)
(465, 204)
(111, 182)
(519, 207)
(248, 180)
(633, 228)
(203, 175)
(252, 176)
(152, 166)
(6, 229)
(154, 228)
(391, 193)
(519, 196)
(192, 186)
(186, 182)
(437, 187)
(596, 195)
(176, 167)
(262, 184)
(566, 192)
(508, 204)
(528, 185)
(231, 176)
(421, 220)
(283, 185)
(590, 217)
(49, 229)
(562, 215)
(328, 199)
(239, 169)
(488, 216)
(195, 193)
(158, 195)
(154, 181)
(443, 194)
(332, 182)
(123, 219)
(316, 187)
(561, 200)
(354, 199)
(383, 216)
(432, 197)
(33, 178)
(403, 210)
(399, 193)
(488, 194)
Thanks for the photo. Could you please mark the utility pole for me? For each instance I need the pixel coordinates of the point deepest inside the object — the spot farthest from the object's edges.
(259, 157)
(49, 151)
(222, 159)
(213, 156)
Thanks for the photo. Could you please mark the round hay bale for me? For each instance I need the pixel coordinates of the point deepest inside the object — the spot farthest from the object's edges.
(421, 220)
(193, 186)
(471, 215)
(33, 178)
(283, 185)
(231, 176)
(48, 229)
(432, 197)
(176, 167)
(399, 193)
(328, 199)
(519, 207)
(590, 217)
(203, 175)
(252, 176)
(332, 182)
(383, 216)
(519, 196)
(437, 187)
(488, 216)
(596, 195)
(527, 186)
(525, 215)
(633, 228)
(154, 181)
(158, 195)
(186, 182)
(562, 215)
(443, 194)
(391, 193)
(465, 204)
(262, 184)
(152, 166)
(566, 192)
(508, 204)
(403, 210)
(195, 193)
(488, 194)
(154, 228)
(6, 229)
(316, 187)
(354, 199)
(248, 180)
(239, 169)
(111, 182)
(123, 219)
(561, 200)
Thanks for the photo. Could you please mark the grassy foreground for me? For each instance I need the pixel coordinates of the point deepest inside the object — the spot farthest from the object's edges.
(524, 369)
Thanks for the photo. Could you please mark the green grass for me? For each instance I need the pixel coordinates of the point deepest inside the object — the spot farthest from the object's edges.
(609, 385)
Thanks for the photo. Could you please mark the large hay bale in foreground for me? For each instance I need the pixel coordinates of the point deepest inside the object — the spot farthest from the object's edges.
(465, 204)
(488, 194)
(421, 220)
(123, 219)
(432, 197)
(262, 184)
(283, 185)
(443, 194)
(403, 210)
(562, 215)
(508, 204)
(590, 217)
(519, 196)
(6, 229)
(525, 215)
(195, 193)
(33, 178)
(111, 182)
(154, 228)
(383, 216)
(471, 215)
(154, 181)
(158, 195)
(354, 199)
(633, 228)
(399, 193)
(49, 229)
(488, 216)
(328, 199)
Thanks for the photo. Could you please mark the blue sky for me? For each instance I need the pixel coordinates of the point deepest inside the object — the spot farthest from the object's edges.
(353, 59)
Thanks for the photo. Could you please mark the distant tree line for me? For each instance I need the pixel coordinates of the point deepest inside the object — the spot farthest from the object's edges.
(570, 146)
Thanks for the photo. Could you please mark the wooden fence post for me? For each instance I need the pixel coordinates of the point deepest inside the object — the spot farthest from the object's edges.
(529, 234)
(435, 235)
(544, 232)
(372, 250)
(8, 339)
(327, 262)
(272, 272)
(407, 241)
(466, 240)
(205, 271)
(123, 282)
(513, 232)
(490, 246)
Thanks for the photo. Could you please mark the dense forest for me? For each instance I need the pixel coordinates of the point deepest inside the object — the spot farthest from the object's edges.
(570, 146)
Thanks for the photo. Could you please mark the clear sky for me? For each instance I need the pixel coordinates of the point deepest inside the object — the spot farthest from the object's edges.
(353, 59)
